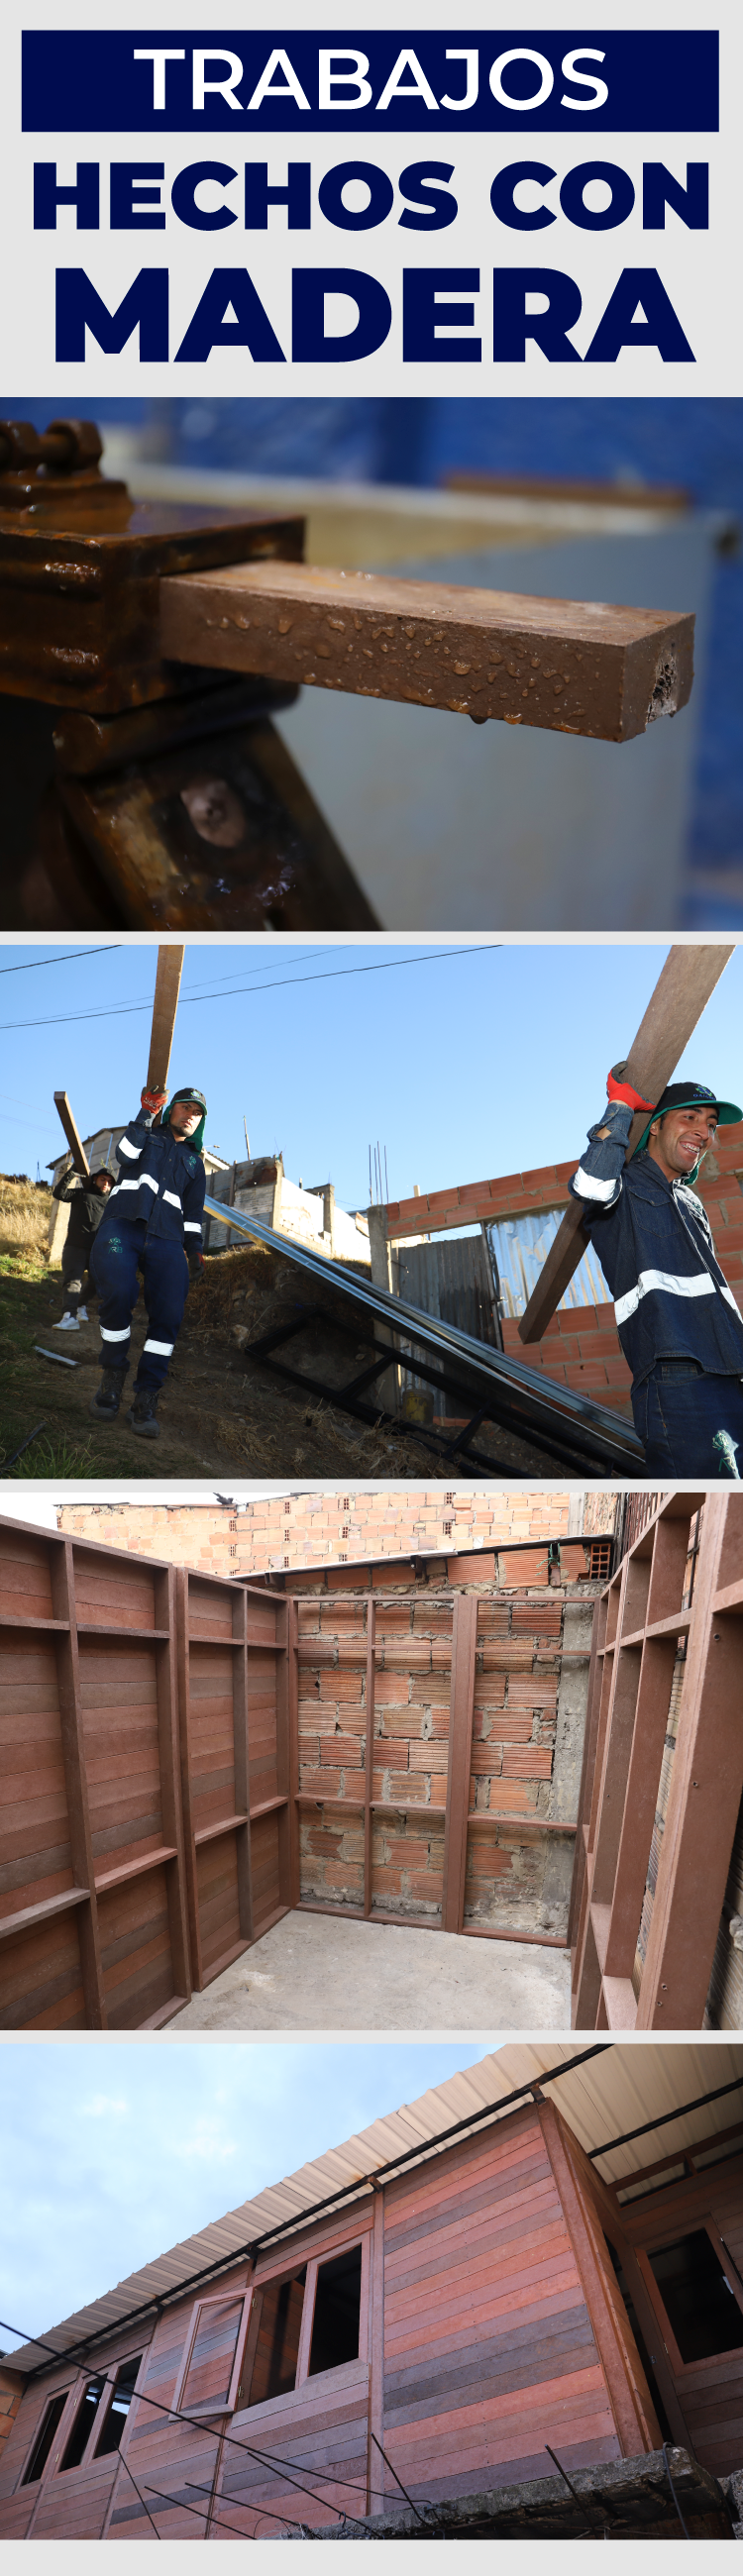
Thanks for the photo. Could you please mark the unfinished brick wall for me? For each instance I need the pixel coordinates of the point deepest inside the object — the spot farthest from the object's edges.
(277, 1533)
(519, 1837)
(580, 1348)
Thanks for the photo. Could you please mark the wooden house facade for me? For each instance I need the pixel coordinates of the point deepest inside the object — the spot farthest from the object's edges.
(519, 2294)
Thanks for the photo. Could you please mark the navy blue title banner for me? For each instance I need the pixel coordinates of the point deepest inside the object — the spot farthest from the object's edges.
(136, 83)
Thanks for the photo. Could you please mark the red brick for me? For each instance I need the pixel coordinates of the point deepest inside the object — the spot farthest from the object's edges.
(528, 1762)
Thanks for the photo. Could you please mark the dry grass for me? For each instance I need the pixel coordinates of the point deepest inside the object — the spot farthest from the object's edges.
(24, 1216)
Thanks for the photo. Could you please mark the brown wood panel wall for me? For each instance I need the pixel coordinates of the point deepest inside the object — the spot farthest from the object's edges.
(489, 2347)
(495, 2326)
(92, 1921)
(426, 1739)
(231, 1647)
(703, 2399)
(128, 1694)
(663, 1771)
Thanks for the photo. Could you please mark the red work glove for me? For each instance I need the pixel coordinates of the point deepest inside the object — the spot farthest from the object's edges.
(619, 1090)
(153, 1101)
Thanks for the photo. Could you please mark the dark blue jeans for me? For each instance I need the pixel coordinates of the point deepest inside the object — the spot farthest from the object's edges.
(117, 1249)
(679, 1413)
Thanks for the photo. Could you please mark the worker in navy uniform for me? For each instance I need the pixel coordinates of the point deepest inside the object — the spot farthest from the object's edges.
(87, 1193)
(679, 1326)
(153, 1224)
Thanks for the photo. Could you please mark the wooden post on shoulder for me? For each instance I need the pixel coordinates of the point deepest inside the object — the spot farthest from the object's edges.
(77, 1149)
(682, 991)
(167, 988)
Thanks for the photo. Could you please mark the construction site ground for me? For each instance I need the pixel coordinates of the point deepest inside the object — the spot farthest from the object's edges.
(221, 1411)
(390, 1976)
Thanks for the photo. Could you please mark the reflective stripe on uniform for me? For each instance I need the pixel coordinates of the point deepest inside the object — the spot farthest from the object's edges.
(587, 1187)
(106, 1336)
(698, 1285)
(164, 1349)
(125, 1148)
(145, 1179)
(171, 1198)
(189, 1226)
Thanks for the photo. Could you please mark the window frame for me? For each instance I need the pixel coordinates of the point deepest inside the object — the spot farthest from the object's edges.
(279, 2267)
(74, 2397)
(342, 2243)
(24, 2480)
(702, 2223)
(221, 2299)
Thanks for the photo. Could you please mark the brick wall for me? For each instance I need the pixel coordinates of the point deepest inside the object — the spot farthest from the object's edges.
(282, 1532)
(526, 1744)
(581, 1347)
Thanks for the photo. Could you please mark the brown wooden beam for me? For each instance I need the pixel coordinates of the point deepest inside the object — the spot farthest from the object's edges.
(241, 1741)
(72, 1730)
(371, 1621)
(681, 994)
(167, 988)
(77, 1149)
(564, 665)
(463, 1669)
(182, 1583)
(704, 1796)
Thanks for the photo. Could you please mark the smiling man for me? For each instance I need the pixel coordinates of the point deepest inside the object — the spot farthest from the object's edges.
(152, 1224)
(678, 1323)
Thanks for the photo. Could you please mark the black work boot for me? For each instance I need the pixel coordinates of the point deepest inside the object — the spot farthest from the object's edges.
(108, 1398)
(142, 1412)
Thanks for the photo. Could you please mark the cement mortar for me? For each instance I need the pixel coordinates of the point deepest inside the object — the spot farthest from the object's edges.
(316, 1972)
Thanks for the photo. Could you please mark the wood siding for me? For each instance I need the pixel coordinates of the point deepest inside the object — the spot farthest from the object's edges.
(663, 1771)
(704, 2399)
(133, 1703)
(492, 2325)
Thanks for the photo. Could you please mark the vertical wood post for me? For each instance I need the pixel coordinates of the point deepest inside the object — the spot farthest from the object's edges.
(241, 1738)
(594, 1680)
(633, 2429)
(371, 1629)
(73, 1756)
(166, 1670)
(376, 2471)
(182, 1607)
(287, 1752)
(463, 1665)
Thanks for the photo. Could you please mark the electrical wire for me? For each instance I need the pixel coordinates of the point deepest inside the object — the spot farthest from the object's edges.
(177, 2415)
(66, 959)
(128, 1010)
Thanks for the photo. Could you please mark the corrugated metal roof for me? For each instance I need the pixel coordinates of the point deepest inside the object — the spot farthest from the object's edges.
(520, 1245)
(625, 2085)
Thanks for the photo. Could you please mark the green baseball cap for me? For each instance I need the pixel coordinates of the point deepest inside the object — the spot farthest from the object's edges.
(691, 1095)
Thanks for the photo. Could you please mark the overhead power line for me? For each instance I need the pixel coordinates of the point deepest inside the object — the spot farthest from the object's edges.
(66, 959)
(381, 966)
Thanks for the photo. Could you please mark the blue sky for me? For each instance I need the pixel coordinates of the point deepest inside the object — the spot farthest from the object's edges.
(481, 1062)
(111, 2152)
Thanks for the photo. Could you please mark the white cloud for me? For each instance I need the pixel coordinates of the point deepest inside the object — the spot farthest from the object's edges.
(102, 2107)
(216, 2151)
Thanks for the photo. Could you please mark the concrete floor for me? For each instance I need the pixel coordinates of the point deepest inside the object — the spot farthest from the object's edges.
(313, 1972)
